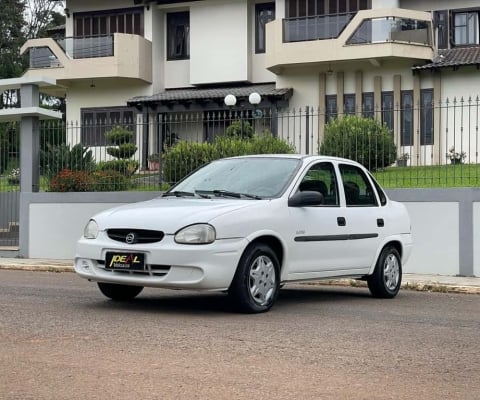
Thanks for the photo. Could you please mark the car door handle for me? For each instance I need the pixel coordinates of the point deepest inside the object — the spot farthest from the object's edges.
(341, 221)
(380, 222)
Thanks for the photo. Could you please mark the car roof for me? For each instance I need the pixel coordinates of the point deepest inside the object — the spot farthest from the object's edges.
(304, 157)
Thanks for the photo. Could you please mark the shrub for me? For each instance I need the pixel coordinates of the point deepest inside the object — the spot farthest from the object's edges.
(361, 139)
(241, 129)
(121, 137)
(71, 181)
(185, 157)
(125, 167)
(61, 157)
(83, 181)
(109, 181)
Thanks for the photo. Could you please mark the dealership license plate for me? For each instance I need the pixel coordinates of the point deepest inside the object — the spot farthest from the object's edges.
(125, 261)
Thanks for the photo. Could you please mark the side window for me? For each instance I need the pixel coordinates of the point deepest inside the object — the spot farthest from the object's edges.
(321, 178)
(358, 190)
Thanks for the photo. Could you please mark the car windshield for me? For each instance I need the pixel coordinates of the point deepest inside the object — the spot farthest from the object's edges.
(251, 177)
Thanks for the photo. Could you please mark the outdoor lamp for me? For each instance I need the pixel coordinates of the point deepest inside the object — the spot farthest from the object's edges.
(230, 100)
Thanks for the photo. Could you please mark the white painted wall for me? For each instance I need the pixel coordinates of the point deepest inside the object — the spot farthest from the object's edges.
(219, 42)
(55, 228)
(106, 93)
(428, 5)
(435, 233)
(476, 239)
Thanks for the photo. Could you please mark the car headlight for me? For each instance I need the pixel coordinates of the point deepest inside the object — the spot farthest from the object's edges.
(196, 234)
(91, 230)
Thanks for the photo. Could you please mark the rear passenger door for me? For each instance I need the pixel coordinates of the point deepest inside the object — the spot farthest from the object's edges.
(364, 218)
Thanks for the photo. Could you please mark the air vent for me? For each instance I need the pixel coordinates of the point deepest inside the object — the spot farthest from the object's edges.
(135, 236)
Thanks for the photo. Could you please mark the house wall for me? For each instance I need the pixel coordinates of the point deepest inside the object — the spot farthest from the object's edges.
(445, 225)
(218, 51)
(430, 5)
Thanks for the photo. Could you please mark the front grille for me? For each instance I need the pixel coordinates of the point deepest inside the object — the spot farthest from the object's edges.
(139, 235)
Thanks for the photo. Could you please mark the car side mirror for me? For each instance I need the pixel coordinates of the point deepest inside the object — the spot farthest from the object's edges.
(306, 198)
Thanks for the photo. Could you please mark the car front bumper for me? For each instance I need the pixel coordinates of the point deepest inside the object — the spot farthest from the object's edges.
(167, 264)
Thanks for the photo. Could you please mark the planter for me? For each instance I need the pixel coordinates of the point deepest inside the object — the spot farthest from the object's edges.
(401, 163)
(153, 165)
(455, 161)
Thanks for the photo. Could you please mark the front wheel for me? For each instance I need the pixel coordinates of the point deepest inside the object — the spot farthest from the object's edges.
(255, 285)
(387, 277)
(119, 292)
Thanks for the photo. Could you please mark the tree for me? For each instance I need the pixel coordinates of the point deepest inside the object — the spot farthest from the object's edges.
(11, 38)
(40, 15)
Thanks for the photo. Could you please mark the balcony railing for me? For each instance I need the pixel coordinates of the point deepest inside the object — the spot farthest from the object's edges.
(315, 28)
(75, 48)
(87, 46)
(392, 29)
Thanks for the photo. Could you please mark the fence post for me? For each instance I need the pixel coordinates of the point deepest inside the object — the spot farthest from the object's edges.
(307, 130)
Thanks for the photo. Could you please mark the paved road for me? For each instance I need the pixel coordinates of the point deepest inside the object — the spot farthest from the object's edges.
(60, 339)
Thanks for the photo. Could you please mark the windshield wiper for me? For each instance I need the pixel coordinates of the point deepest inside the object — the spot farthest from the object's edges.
(179, 193)
(227, 193)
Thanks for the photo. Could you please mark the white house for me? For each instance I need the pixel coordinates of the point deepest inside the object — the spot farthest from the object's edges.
(395, 60)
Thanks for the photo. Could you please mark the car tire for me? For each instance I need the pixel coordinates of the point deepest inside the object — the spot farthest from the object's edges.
(256, 283)
(387, 277)
(119, 292)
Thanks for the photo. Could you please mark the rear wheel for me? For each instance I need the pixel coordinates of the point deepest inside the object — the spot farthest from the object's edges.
(387, 277)
(119, 292)
(255, 285)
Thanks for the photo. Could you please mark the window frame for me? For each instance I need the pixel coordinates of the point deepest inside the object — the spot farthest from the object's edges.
(403, 119)
(93, 134)
(368, 112)
(260, 31)
(333, 181)
(468, 41)
(387, 112)
(426, 116)
(173, 21)
(331, 113)
(366, 181)
(84, 20)
(349, 100)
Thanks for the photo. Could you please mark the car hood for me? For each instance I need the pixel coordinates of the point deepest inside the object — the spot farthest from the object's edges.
(168, 214)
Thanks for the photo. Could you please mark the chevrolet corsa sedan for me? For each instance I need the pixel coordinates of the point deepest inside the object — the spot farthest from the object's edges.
(248, 225)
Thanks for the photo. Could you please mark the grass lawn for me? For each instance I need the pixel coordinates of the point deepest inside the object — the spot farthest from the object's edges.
(439, 176)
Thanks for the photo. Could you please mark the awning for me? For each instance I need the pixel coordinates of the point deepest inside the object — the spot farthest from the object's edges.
(212, 97)
(455, 58)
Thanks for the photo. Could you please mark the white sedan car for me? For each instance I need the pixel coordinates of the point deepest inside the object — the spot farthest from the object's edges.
(248, 225)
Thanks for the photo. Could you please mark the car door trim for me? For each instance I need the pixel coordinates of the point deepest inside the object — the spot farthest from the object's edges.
(329, 238)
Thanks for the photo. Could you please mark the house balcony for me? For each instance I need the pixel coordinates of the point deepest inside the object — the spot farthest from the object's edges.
(70, 59)
(367, 35)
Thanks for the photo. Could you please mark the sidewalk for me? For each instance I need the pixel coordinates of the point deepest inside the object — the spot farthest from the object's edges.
(431, 283)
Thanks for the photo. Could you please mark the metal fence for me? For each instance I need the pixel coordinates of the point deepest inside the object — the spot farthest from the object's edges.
(434, 145)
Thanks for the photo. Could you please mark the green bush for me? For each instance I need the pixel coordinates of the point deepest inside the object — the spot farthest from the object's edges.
(185, 157)
(119, 135)
(361, 139)
(241, 129)
(123, 151)
(125, 167)
(61, 157)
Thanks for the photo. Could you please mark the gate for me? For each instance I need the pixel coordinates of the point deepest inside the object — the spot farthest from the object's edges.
(9, 185)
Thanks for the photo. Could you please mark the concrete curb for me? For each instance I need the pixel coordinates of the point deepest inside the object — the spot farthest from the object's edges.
(410, 282)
